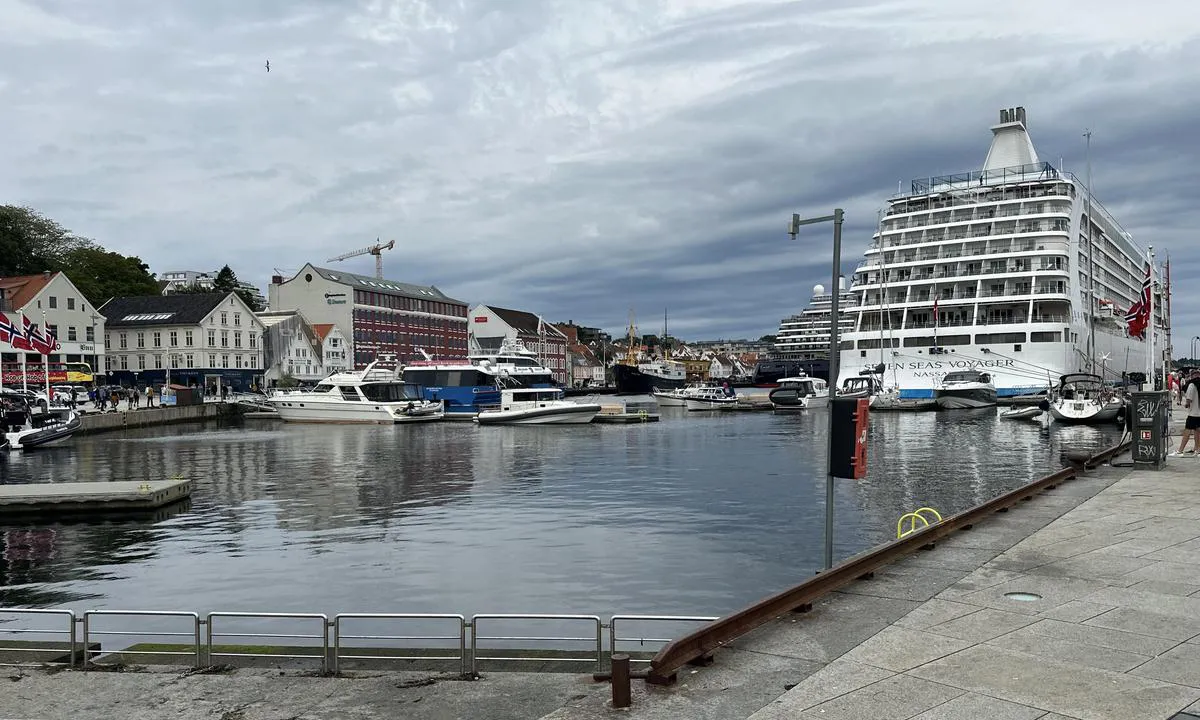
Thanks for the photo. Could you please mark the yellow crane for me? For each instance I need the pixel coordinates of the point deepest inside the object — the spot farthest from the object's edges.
(376, 250)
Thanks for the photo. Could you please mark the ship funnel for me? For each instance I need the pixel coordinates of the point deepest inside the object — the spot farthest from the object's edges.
(1011, 146)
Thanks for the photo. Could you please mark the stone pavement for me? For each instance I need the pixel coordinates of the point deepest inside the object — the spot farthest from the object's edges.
(1110, 628)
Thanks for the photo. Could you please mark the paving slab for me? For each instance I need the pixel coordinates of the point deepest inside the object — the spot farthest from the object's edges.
(982, 625)
(1179, 665)
(898, 696)
(973, 705)
(899, 648)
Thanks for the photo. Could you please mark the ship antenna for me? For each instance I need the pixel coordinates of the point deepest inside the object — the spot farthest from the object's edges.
(1091, 302)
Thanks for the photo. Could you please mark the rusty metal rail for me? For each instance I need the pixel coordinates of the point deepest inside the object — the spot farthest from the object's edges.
(698, 646)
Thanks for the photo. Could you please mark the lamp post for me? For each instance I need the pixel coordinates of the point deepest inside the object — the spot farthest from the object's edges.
(95, 355)
(834, 326)
(1194, 339)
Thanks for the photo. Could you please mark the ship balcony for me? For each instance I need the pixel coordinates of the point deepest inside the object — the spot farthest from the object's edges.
(978, 231)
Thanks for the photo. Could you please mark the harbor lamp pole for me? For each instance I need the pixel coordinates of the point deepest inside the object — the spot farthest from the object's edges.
(1194, 339)
(834, 327)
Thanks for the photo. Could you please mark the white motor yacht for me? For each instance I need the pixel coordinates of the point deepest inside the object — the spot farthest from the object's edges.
(1083, 398)
(965, 389)
(23, 429)
(536, 406)
(371, 395)
(800, 393)
(675, 397)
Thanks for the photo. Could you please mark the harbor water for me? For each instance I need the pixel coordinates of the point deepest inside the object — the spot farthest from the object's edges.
(699, 513)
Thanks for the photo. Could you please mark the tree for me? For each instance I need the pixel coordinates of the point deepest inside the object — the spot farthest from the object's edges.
(32, 243)
(100, 274)
(227, 281)
(767, 339)
(287, 380)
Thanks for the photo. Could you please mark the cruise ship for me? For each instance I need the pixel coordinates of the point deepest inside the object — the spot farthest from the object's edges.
(991, 270)
(802, 343)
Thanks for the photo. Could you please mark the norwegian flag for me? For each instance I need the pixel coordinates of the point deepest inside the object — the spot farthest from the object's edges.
(1138, 317)
(10, 333)
(43, 342)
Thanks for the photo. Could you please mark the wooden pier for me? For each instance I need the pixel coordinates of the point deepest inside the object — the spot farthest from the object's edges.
(91, 497)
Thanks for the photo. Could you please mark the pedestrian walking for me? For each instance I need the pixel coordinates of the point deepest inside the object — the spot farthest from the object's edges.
(149, 396)
(1191, 427)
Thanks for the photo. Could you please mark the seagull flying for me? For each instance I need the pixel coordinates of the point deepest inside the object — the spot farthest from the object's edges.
(268, 66)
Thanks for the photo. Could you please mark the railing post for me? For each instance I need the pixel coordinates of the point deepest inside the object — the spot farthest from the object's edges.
(620, 680)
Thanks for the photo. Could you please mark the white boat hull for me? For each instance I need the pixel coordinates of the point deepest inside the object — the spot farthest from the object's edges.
(566, 413)
(315, 411)
(1085, 412)
(1022, 413)
(964, 402)
(708, 404)
(669, 400)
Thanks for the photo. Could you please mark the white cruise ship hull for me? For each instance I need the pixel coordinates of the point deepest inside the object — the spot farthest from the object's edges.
(333, 411)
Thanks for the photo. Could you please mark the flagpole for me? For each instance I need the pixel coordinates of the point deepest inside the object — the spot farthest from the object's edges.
(24, 375)
(1150, 316)
(46, 357)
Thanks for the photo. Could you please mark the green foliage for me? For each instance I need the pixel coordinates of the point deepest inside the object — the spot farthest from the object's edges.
(767, 338)
(100, 274)
(227, 281)
(287, 380)
(32, 243)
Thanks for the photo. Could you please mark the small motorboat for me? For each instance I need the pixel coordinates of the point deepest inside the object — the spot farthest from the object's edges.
(965, 389)
(536, 406)
(44, 429)
(711, 398)
(419, 411)
(672, 398)
(799, 393)
(1028, 412)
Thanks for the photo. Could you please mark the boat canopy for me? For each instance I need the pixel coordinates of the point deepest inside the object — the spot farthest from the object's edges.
(967, 376)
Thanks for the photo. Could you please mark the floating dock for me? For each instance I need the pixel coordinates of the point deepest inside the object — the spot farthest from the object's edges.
(625, 418)
(91, 497)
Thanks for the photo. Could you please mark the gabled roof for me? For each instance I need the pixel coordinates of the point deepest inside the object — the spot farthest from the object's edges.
(391, 287)
(322, 330)
(522, 321)
(180, 309)
(20, 289)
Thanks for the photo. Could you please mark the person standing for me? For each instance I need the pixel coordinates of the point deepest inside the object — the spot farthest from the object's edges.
(1191, 427)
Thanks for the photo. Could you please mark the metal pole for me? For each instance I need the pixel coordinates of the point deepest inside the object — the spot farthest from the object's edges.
(46, 357)
(1091, 265)
(834, 327)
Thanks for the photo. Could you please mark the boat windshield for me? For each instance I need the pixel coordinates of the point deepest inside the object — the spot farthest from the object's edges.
(966, 377)
(535, 395)
(391, 392)
(322, 388)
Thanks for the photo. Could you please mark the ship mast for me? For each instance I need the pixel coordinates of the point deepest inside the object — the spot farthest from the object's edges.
(665, 346)
(1091, 265)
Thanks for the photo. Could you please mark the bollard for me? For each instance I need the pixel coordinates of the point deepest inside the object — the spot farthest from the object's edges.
(620, 680)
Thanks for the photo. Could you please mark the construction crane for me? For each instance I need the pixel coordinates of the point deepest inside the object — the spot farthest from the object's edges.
(376, 250)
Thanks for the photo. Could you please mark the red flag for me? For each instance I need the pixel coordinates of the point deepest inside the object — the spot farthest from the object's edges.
(1138, 317)
(935, 310)
(9, 332)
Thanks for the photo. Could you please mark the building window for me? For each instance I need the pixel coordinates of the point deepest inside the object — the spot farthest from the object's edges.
(224, 318)
(174, 338)
(89, 334)
(238, 361)
(158, 361)
(141, 340)
(237, 319)
(212, 338)
(253, 339)
(70, 303)
(188, 359)
(124, 362)
(187, 338)
(141, 362)
(53, 302)
(237, 338)
(252, 361)
(124, 340)
(71, 336)
(157, 339)
(212, 360)
(224, 361)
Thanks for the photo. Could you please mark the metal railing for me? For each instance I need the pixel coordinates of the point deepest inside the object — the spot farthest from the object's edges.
(68, 634)
(194, 633)
(592, 620)
(460, 635)
(614, 638)
(323, 636)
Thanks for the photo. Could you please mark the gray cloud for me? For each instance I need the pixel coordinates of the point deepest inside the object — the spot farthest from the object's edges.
(576, 159)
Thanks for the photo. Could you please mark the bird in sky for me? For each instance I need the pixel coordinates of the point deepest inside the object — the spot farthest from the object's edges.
(268, 66)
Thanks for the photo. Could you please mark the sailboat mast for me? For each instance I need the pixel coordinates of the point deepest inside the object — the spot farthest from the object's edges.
(666, 348)
(1091, 301)
(1150, 318)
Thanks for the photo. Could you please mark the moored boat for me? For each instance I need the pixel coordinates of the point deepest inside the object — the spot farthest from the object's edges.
(711, 398)
(1083, 398)
(799, 393)
(1027, 412)
(372, 395)
(965, 389)
(536, 406)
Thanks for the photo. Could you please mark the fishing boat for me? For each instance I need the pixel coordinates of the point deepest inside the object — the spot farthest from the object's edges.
(965, 389)
(536, 406)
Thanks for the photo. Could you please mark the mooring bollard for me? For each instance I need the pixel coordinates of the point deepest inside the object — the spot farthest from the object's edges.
(620, 680)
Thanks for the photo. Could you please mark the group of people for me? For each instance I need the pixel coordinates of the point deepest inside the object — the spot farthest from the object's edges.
(1185, 386)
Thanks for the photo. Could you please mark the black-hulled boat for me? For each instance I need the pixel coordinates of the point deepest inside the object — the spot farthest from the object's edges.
(643, 378)
(769, 371)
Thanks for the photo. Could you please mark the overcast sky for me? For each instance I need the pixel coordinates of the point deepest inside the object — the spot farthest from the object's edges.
(578, 159)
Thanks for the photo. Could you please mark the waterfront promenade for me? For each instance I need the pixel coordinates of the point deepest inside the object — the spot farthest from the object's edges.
(1114, 557)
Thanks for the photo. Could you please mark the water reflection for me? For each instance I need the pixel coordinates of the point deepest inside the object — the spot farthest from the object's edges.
(697, 513)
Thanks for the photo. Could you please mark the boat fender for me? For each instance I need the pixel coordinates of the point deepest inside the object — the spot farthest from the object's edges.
(1044, 405)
